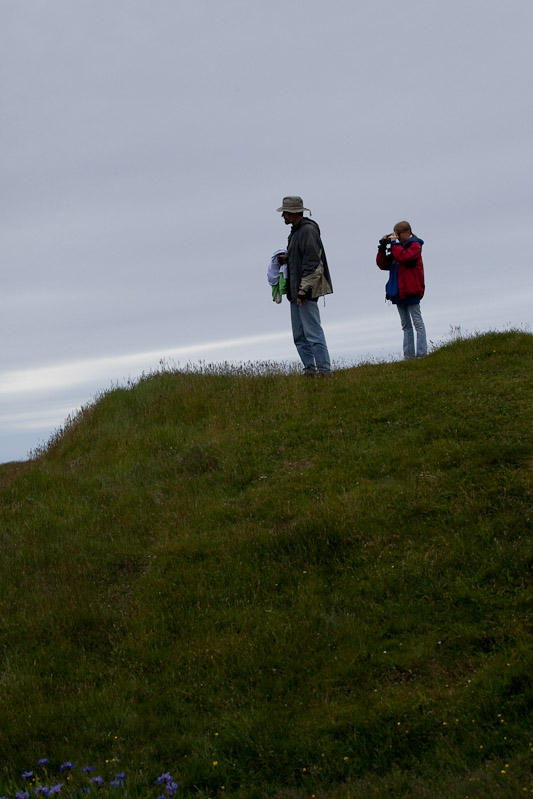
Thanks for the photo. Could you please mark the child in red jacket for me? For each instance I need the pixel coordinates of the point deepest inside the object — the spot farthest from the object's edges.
(401, 254)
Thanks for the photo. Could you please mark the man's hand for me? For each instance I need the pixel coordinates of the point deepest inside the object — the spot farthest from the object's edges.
(282, 258)
(301, 298)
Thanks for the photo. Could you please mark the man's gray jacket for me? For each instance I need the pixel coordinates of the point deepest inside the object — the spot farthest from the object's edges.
(307, 263)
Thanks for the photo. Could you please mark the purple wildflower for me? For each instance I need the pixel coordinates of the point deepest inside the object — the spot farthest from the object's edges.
(43, 761)
(43, 790)
(27, 775)
(98, 781)
(56, 788)
(118, 781)
(167, 780)
(22, 795)
(87, 769)
(66, 766)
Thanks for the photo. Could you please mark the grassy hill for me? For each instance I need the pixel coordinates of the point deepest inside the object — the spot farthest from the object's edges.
(274, 586)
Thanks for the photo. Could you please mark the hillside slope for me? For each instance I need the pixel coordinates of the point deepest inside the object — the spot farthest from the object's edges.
(281, 586)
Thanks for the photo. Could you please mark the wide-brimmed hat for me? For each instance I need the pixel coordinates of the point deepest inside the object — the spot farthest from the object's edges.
(294, 205)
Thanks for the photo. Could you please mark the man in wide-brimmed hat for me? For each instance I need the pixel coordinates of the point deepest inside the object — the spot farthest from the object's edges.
(308, 279)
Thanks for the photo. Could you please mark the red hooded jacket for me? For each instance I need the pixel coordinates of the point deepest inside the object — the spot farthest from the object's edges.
(405, 260)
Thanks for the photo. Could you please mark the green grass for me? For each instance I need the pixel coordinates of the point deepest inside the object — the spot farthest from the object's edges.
(324, 587)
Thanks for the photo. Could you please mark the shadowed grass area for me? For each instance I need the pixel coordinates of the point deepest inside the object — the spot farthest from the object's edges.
(282, 586)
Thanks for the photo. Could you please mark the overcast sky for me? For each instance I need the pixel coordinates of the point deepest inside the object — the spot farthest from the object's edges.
(146, 145)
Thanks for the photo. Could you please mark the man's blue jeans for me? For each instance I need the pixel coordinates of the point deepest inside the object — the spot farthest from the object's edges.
(408, 313)
(309, 337)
